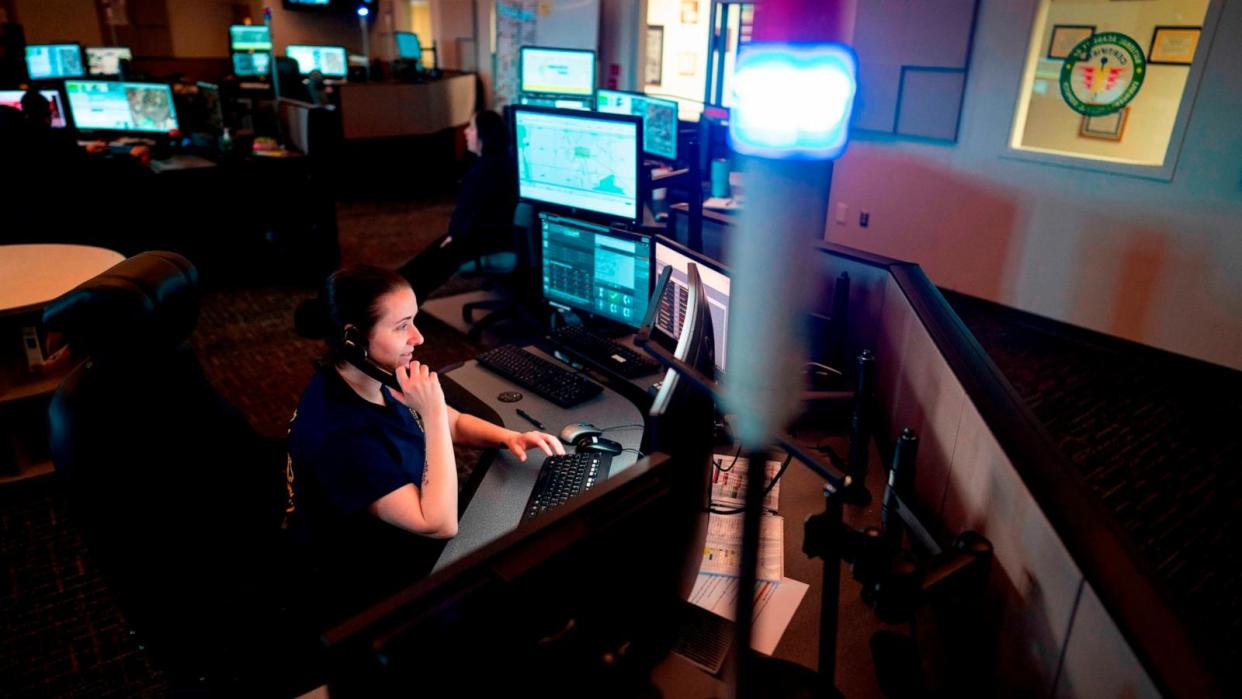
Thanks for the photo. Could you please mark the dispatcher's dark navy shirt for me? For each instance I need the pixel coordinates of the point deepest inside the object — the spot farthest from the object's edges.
(346, 453)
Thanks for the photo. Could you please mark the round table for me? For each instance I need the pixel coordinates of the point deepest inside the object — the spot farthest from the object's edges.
(30, 277)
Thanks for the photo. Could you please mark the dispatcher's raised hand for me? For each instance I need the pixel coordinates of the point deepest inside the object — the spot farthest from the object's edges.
(520, 442)
(420, 388)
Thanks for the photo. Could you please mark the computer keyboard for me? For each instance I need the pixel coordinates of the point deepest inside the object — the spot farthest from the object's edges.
(618, 358)
(558, 385)
(563, 477)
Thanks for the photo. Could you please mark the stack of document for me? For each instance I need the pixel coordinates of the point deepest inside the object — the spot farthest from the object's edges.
(776, 597)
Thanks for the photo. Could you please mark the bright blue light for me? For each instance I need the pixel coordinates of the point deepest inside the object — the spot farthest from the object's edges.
(793, 102)
(363, 11)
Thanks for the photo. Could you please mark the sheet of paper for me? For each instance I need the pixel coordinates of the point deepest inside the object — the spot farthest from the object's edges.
(729, 486)
(775, 604)
(722, 551)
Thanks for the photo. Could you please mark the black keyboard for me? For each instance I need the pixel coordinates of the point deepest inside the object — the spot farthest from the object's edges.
(563, 477)
(618, 358)
(546, 379)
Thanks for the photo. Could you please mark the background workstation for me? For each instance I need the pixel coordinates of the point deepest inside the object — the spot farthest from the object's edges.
(255, 219)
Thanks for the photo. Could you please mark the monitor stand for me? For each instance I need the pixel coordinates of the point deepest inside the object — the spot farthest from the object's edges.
(595, 324)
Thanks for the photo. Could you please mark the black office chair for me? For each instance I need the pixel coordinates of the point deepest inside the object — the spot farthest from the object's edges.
(176, 495)
(517, 279)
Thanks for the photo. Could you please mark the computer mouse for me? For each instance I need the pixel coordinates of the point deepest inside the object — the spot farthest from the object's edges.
(595, 443)
(571, 433)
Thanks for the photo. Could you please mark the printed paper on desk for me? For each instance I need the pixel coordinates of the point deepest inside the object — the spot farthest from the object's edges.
(729, 487)
(775, 604)
(722, 551)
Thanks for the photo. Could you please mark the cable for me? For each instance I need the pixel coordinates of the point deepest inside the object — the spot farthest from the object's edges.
(640, 454)
(621, 427)
(767, 489)
(721, 468)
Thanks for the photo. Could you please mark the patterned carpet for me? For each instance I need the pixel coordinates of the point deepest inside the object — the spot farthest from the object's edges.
(1156, 437)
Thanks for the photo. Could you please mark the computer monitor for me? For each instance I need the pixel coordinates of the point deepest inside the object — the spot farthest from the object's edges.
(54, 61)
(659, 118)
(408, 46)
(252, 65)
(592, 268)
(13, 98)
(106, 60)
(583, 598)
(250, 37)
(580, 161)
(331, 61)
(671, 311)
(557, 72)
(122, 106)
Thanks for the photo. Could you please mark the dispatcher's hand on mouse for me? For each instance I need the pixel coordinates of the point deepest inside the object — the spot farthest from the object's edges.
(519, 442)
(420, 389)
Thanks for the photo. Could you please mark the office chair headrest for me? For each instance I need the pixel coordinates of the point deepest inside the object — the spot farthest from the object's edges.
(147, 303)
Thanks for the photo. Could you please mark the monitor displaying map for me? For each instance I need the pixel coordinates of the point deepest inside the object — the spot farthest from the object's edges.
(330, 61)
(52, 61)
(118, 106)
(557, 71)
(659, 119)
(579, 160)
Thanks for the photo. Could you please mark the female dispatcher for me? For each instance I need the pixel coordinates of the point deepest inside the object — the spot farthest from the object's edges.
(368, 461)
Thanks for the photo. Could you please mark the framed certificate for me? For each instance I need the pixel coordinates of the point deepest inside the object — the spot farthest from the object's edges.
(654, 69)
(1065, 37)
(1173, 46)
(1109, 127)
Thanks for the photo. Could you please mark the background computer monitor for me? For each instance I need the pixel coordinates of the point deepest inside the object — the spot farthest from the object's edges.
(106, 60)
(122, 106)
(671, 311)
(250, 65)
(52, 61)
(592, 268)
(250, 37)
(557, 72)
(13, 98)
(331, 61)
(659, 118)
(408, 46)
(581, 161)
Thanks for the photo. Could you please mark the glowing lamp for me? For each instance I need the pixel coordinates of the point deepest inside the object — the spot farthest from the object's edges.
(363, 11)
(793, 101)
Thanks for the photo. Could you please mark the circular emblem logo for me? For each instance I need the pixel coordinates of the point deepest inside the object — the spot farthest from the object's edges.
(1102, 74)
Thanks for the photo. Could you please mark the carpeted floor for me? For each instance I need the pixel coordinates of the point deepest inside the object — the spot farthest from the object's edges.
(1156, 437)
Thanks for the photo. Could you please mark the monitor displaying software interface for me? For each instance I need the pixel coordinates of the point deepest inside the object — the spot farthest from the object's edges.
(331, 61)
(250, 37)
(592, 268)
(106, 60)
(52, 61)
(408, 46)
(580, 160)
(13, 98)
(557, 71)
(118, 106)
(659, 119)
(672, 309)
(251, 65)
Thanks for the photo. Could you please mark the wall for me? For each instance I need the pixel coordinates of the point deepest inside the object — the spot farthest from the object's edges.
(453, 20)
(621, 29)
(48, 21)
(685, 50)
(200, 28)
(1153, 261)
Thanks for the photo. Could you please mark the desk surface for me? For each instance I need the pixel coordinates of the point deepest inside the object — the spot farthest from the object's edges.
(496, 506)
(32, 275)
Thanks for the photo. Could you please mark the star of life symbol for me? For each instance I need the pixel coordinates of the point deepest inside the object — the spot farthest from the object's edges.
(1102, 74)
